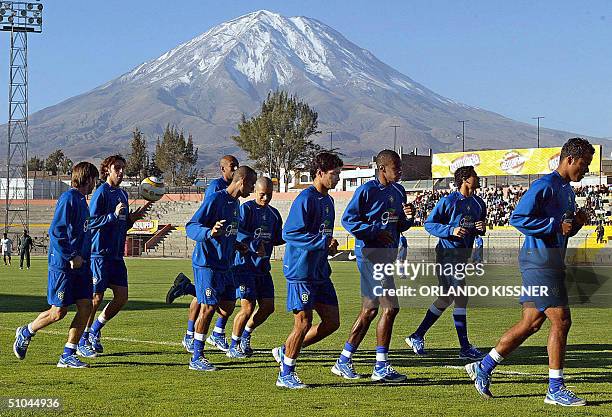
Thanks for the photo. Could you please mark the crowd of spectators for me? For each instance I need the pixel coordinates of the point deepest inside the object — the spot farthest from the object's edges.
(501, 201)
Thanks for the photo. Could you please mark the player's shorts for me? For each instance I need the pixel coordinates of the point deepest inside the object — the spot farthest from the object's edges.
(213, 286)
(254, 286)
(107, 272)
(64, 288)
(374, 284)
(303, 296)
(544, 288)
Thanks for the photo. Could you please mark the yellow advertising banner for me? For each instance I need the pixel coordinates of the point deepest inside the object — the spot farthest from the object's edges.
(529, 161)
(144, 227)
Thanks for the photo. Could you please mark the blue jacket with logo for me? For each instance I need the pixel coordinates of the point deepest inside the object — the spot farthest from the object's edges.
(108, 230)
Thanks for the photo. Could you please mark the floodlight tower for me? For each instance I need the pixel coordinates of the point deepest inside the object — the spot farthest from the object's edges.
(19, 18)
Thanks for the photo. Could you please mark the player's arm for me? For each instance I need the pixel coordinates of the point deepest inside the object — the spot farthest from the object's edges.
(527, 216)
(437, 221)
(245, 234)
(355, 223)
(404, 223)
(481, 225)
(62, 228)
(277, 235)
(295, 231)
(98, 218)
(197, 228)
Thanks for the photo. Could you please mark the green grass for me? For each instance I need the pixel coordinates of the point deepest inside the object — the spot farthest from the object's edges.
(149, 375)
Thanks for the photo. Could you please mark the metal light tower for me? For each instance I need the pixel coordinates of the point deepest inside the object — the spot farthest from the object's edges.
(18, 18)
(538, 118)
(394, 136)
(463, 134)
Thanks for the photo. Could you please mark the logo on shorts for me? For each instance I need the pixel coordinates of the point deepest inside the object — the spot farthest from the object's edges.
(60, 295)
(304, 297)
(208, 292)
(95, 280)
(243, 288)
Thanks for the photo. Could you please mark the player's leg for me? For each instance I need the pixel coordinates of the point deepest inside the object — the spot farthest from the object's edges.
(326, 306)
(344, 364)
(531, 321)
(58, 297)
(194, 312)
(265, 308)
(181, 286)
(225, 308)
(246, 310)
(383, 371)
(467, 351)
(100, 282)
(287, 377)
(417, 339)
(68, 359)
(560, 323)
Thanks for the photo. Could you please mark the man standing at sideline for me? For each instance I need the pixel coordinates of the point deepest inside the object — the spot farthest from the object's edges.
(260, 229)
(376, 215)
(69, 281)
(214, 228)
(7, 249)
(547, 216)
(25, 247)
(308, 233)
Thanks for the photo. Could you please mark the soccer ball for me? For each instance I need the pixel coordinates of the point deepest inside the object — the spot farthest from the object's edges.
(152, 189)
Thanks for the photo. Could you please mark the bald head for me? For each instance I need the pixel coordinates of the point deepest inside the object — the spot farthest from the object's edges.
(263, 191)
(228, 165)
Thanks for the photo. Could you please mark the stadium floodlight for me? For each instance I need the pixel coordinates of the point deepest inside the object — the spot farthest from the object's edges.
(21, 19)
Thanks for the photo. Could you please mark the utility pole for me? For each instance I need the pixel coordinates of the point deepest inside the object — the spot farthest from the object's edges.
(463, 134)
(394, 136)
(331, 140)
(538, 118)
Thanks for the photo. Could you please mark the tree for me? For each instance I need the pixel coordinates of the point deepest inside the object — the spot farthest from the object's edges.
(36, 164)
(57, 162)
(278, 138)
(137, 162)
(176, 157)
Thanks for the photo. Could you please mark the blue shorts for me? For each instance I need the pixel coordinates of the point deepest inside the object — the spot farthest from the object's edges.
(64, 288)
(107, 272)
(304, 295)
(447, 281)
(546, 287)
(213, 286)
(254, 286)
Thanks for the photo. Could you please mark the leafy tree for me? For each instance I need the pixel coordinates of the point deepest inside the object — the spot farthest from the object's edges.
(36, 164)
(57, 162)
(176, 157)
(279, 137)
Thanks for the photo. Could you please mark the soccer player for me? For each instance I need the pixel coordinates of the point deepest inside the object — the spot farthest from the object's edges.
(376, 216)
(308, 233)
(69, 279)
(109, 222)
(547, 216)
(456, 220)
(7, 248)
(214, 228)
(183, 286)
(260, 229)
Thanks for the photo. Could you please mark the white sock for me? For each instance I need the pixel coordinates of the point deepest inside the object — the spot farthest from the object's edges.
(198, 336)
(219, 330)
(248, 329)
(435, 310)
(30, 329)
(382, 357)
(496, 356)
(555, 373)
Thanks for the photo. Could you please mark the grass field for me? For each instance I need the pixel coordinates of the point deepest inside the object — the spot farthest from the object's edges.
(144, 371)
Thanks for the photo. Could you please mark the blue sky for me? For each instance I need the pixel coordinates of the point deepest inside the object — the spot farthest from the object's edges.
(517, 58)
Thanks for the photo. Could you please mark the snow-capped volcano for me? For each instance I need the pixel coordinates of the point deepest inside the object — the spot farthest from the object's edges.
(206, 84)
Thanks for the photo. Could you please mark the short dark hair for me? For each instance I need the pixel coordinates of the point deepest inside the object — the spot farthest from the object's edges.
(387, 156)
(463, 173)
(576, 148)
(324, 161)
(244, 172)
(107, 163)
(81, 173)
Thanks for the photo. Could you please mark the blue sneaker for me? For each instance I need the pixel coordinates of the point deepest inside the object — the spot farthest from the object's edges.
(86, 351)
(71, 362)
(564, 397)
(291, 381)
(20, 346)
(218, 341)
(279, 354)
(94, 340)
(178, 288)
(386, 373)
(482, 380)
(201, 364)
(417, 344)
(245, 345)
(188, 343)
(235, 352)
(345, 370)
(471, 353)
